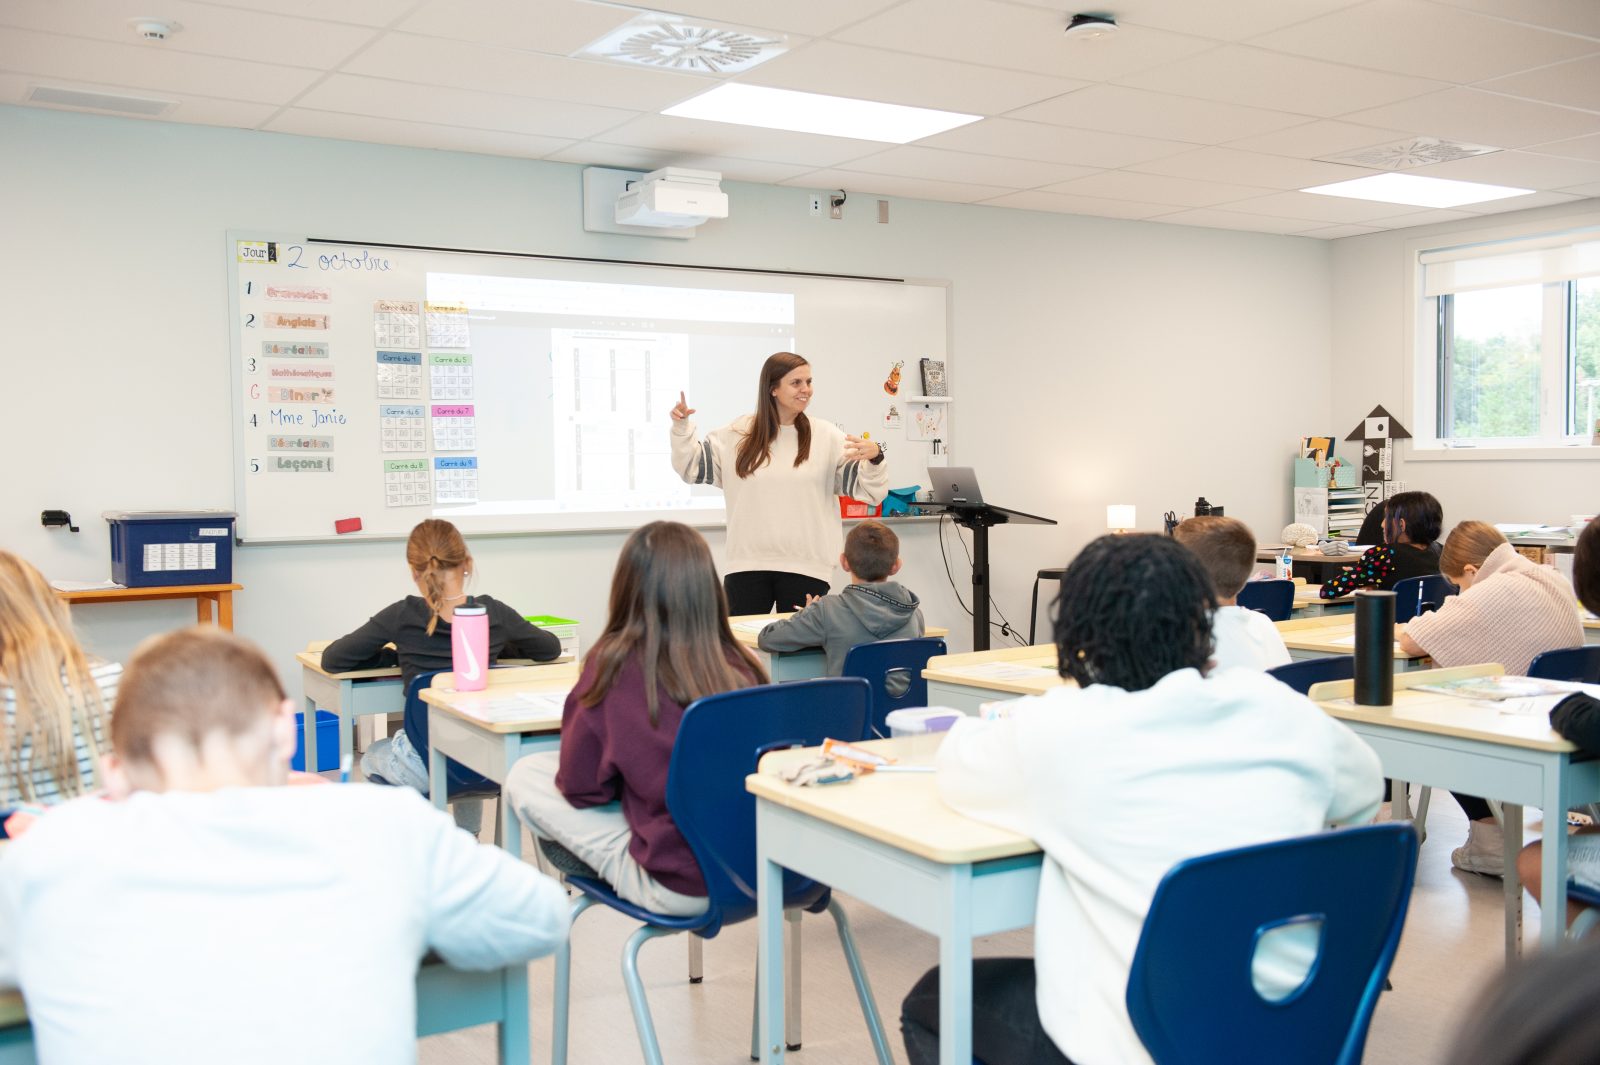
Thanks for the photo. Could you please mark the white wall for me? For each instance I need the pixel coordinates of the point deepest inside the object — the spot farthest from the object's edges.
(1371, 324)
(1093, 361)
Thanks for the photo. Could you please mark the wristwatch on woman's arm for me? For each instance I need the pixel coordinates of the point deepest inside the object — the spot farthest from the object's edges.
(881, 453)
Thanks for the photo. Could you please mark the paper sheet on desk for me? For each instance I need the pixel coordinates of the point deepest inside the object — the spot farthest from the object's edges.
(83, 586)
(522, 706)
(1348, 640)
(1003, 671)
(754, 626)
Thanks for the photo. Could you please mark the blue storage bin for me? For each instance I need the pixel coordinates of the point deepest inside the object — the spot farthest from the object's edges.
(327, 742)
(152, 549)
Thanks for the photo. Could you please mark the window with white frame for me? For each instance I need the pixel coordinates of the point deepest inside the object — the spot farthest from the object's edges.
(1510, 331)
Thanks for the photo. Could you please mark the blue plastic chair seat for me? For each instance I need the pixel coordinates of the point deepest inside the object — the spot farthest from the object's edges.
(894, 670)
(1303, 674)
(1416, 596)
(1273, 598)
(1581, 665)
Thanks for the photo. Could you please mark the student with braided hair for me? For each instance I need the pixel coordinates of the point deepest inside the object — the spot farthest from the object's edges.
(1141, 763)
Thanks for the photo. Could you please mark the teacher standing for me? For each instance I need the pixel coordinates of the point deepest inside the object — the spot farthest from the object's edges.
(784, 532)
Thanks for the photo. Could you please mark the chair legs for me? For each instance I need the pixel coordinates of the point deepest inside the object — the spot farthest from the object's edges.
(561, 997)
(697, 959)
(858, 975)
(642, 1020)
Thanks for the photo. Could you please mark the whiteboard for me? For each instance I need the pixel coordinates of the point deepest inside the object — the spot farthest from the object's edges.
(516, 393)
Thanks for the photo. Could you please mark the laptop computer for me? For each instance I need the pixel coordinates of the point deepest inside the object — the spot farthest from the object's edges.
(955, 486)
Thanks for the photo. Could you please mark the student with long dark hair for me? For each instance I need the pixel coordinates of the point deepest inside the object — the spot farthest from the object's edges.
(1141, 763)
(780, 472)
(602, 799)
(1412, 522)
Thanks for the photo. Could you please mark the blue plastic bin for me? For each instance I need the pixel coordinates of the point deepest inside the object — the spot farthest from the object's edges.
(327, 742)
(152, 549)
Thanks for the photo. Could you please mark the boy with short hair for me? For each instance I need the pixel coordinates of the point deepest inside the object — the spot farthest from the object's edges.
(195, 917)
(1227, 549)
(871, 608)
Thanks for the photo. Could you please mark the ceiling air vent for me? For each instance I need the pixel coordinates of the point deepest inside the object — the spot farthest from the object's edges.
(1411, 152)
(672, 42)
(82, 100)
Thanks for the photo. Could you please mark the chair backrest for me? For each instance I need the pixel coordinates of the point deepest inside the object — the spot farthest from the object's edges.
(894, 670)
(719, 742)
(1302, 675)
(1191, 995)
(1273, 598)
(1578, 664)
(1415, 596)
(460, 782)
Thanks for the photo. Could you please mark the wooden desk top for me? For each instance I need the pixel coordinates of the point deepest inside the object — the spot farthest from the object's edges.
(170, 591)
(1443, 715)
(12, 1009)
(1311, 594)
(749, 638)
(476, 708)
(311, 658)
(1270, 552)
(984, 669)
(1332, 634)
(901, 809)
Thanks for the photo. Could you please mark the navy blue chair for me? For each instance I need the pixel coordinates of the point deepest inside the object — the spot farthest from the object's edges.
(1302, 675)
(1190, 991)
(720, 741)
(1273, 598)
(1416, 596)
(894, 669)
(461, 782)
(1581, 665)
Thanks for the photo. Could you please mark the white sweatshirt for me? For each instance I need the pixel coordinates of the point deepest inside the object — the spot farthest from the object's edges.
(781, 517)
(1117, 787)
(1246, 638)
(254, 925)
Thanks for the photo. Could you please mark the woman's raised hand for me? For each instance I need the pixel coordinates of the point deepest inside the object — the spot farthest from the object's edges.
(682, 410)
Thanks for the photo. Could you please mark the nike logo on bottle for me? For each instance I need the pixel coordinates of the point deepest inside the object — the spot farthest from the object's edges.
(473, 670)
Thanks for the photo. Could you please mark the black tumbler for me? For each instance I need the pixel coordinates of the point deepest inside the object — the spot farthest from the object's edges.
(1374, 648)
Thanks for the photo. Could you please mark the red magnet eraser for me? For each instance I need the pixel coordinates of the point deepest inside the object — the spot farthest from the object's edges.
(344, 525)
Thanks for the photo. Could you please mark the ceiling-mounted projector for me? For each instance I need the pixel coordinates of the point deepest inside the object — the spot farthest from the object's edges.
(672, 198)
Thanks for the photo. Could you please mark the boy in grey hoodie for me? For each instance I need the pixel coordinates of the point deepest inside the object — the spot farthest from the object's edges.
(872, 608)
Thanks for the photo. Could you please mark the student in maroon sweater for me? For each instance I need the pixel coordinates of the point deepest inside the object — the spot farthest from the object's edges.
(599, 806)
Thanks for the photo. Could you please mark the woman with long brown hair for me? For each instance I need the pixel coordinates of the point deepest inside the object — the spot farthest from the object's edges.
(602, 799)
(780, 472)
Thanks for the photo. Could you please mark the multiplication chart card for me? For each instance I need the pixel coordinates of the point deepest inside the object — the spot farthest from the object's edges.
(447, 325)
(451, 375)
(403, 428)
(405, 483)
(397, 324)
(455, 478)
(454, 427)
(399, 375)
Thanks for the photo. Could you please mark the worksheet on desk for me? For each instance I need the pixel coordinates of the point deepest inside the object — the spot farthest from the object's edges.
(1002, 671)
(520, 706)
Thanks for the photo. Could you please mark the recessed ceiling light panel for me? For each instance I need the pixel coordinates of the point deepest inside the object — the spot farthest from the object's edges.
(1414, 190)
(84, 100)
(689, 46)
(809, 112)
(1411, 152)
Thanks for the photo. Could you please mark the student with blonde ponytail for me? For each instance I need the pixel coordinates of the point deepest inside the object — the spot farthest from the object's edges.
(53, 703)
(419, 628)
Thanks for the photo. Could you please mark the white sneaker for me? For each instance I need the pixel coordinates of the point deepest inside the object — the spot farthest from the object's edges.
(1484, 850)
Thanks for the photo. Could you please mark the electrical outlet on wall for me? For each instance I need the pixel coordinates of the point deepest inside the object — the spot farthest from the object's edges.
(814, 208)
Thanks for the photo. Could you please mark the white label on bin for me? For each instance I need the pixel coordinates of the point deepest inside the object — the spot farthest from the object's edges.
(152, 558)
(191, 556)
(172, 555)
(208, 556)
(212, 532)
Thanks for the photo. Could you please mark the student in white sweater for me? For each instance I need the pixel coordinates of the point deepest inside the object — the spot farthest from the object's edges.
(207, 914)
(1226, 549)
(780, 472)
(1145, 762)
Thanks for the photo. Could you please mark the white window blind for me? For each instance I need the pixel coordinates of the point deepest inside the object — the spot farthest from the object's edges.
(1559, 257)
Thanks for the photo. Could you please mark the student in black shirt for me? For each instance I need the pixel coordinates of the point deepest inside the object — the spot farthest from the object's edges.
(1411, 525)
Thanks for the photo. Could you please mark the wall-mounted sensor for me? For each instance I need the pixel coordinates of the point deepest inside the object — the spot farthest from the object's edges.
(153, 29)
(51, 519)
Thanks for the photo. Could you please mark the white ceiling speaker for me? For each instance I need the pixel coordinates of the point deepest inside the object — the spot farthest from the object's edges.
(154, 29)
(1088, 27)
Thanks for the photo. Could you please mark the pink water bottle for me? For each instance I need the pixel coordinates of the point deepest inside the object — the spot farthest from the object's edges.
(469, 648)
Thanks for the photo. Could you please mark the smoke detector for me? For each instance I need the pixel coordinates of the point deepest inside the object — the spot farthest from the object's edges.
(153, 29)
(1087, 27)
(1411, 152)
(690, 46)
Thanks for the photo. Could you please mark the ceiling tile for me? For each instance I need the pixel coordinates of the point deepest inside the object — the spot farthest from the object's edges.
(888, 185)
(1018, 38)
(895, 77)
(458, 107)
(1250, 76)
(1119, 109)
(1316, 139)
(1085, 205)
(199, 110)
(463, 65)
(360, 12)
(1525, 170)
(1583, 190)
(1481, 118)
(1419, 218)
(1426, 40)
(1520, 203)
(557, 27)
(1154, 188)
(1052, 144)
(813, 18)
(1569, 16)
(1574, 84)
(915, 161)
(413, 134)
(1310, 205)
(143, 67)
(1335, 232)
(1575, 148)
(667, 133)
(206, 29)
(1250, 168)
(1231, 21)
(1213, 218)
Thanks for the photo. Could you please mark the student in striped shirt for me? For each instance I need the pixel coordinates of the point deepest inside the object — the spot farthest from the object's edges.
(53, 701)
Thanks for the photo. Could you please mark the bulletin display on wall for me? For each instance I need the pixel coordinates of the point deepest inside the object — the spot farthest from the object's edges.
(376, 386)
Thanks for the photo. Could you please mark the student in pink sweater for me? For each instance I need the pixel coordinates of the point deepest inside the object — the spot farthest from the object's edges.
(1509, 611)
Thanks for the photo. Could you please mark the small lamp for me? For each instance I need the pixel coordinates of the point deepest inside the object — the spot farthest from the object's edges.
(1120, 517)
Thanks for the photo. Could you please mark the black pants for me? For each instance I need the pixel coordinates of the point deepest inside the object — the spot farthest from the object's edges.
(1475, 808)
(1005, 1016)
(755, 591)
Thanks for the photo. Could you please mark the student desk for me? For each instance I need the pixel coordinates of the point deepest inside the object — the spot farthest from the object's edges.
(1591, 628)
(484, 731)
(1333, 634)
(889, 841)
(966, 681)
(1475, 748)
(346, 695)
(1308, 602)
(205, 596)
(1310, 563)
(791, 665)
